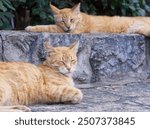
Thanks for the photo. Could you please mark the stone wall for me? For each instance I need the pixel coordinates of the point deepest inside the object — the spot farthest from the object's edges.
(101, 57)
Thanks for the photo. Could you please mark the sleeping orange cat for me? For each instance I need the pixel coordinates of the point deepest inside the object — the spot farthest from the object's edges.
(71, 20)
(51, 82)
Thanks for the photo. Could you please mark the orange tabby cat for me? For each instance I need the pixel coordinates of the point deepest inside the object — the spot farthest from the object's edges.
(25, 83)
(74, 21)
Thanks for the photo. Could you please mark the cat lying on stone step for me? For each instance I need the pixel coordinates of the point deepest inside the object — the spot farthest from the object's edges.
(71, 20)
(51, 82)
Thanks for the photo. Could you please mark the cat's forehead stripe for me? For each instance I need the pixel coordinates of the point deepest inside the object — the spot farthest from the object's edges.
(66, 57)
(66, 16)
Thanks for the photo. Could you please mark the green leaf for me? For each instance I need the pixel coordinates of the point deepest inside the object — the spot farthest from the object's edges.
(123, 11)
(2, 7)
(141, 12)
(4, 19)
(23, 1)
(84, 7)
(1, 15)
(9, 5)
(40, 3)
(8, 1)
(8, 14)
(135, 1)
(147, 8)
(132, 8)
(36, 11)
(112, 7)
(1, 23)
(7, 26)
(43, 15)
(50, 17)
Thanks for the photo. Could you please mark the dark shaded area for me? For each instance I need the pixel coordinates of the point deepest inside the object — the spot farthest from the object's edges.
(17, 14)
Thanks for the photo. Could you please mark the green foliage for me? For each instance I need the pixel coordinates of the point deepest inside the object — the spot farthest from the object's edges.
(39, 10)
(33, 12)
(6, 14)
(108, 7)
(129, 7)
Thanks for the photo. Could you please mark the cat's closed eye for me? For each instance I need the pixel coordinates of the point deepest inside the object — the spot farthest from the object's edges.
(73, 61)
(61, 62)
(72, 20)
(62, 21)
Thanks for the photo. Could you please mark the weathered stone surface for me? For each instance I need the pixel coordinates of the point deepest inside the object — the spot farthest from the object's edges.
(17, 46)
(100, 56)
(100, 97)
(117, 56)
(1, 49)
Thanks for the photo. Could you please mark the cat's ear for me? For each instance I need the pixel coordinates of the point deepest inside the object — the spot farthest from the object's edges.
(54, 9)
(76, 8)
(48, 47)
(74, 47)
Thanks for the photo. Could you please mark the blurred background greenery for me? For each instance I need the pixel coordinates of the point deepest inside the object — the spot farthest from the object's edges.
(17, 14)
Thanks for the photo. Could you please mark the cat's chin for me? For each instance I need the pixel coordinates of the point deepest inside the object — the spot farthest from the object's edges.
(68, 31)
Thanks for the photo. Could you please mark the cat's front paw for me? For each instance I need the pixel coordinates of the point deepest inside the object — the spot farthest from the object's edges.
(29, 28)
(77, 97)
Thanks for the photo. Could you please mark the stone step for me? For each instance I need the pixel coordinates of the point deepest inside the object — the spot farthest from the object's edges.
(112, 70)
(101, 57)
(116, 97)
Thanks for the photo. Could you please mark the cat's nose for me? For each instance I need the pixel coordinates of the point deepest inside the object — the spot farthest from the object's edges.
(69, 69)
(68, 27)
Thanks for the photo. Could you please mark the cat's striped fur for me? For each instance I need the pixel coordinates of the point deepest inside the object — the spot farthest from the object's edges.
(51, 82)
